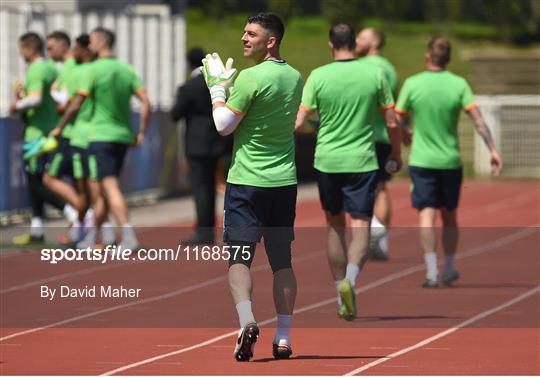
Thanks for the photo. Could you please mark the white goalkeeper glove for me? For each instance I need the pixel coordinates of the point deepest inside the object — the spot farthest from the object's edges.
(219, 78)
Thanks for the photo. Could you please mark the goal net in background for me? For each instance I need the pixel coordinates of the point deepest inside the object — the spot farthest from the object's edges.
(514, 121)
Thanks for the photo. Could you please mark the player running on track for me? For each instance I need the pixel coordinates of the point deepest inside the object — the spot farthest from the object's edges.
(347, 94)
(369, 44)
(110, 83)
(434, 99)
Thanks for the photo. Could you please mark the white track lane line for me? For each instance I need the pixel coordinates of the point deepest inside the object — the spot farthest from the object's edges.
(80, 272)
(447, 332)
(472, 252)
(68, 275)
(177, 292)
(401, 202)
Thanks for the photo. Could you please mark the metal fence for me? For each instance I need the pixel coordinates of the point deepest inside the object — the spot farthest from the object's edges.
(515, 124)
(154, 44)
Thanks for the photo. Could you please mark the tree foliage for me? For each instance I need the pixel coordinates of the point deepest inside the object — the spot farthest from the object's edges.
(513, 20)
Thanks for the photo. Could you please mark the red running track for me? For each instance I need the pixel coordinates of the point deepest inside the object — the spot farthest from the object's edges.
(487, 324)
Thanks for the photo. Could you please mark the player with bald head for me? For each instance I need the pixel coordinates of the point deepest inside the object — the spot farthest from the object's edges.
(434, 99)
(369, 44)
(102, 41)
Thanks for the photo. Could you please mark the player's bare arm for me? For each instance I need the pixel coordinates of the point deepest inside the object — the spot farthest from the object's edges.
(393, 128)
(69, 115)
(146, 107)
(301, 117)
(485, 133)
(404, 120)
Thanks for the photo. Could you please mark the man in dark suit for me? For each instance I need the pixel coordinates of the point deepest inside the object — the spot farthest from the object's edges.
(203, 146)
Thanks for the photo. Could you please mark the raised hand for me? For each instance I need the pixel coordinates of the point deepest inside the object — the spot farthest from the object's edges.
(219, 77)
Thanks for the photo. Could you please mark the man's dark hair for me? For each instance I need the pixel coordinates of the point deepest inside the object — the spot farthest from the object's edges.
(380, 37)
(83, 40)
(194, 57)
(60, 36)
(439, 49)
(32, 40)
(107, 34)
(342, 36)
(270, 22)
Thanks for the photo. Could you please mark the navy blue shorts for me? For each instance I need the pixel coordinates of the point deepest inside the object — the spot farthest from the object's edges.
(354, 192)
(253, 212)
(79, 158)
(383, 151)
(105, 159)
(435, 188)
(61, 162)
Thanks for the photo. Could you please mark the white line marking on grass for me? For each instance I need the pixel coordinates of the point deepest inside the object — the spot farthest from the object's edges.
(475, 251)
(447, 332)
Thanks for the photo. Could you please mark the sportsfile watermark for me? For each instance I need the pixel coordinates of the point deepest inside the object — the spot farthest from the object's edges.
(168, 283)
(111, 253)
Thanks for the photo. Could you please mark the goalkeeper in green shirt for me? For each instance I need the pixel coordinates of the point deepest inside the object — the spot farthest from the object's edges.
(260, 200)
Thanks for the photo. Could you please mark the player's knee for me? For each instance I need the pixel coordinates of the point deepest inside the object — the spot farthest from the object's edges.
(241, 253)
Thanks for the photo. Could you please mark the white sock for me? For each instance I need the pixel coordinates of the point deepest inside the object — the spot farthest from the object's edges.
(375, 223)
(74, 231)
(352, 273)
(89, 240)
(431, 265)
(107, 233)
(36, 227)
(89, 218)
(383, 243)
(377, 228)
(70, 213)
(245, 314)
(283, 329)
(128, 235)
(337, 289)
(448, 264)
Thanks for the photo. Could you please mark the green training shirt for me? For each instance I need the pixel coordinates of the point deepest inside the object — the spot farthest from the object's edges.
(435, 100)
(65, 77)
(110, 83)
(80, 132)
(380, 134)
(268, 95)
(40, 120)
(347, 95)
